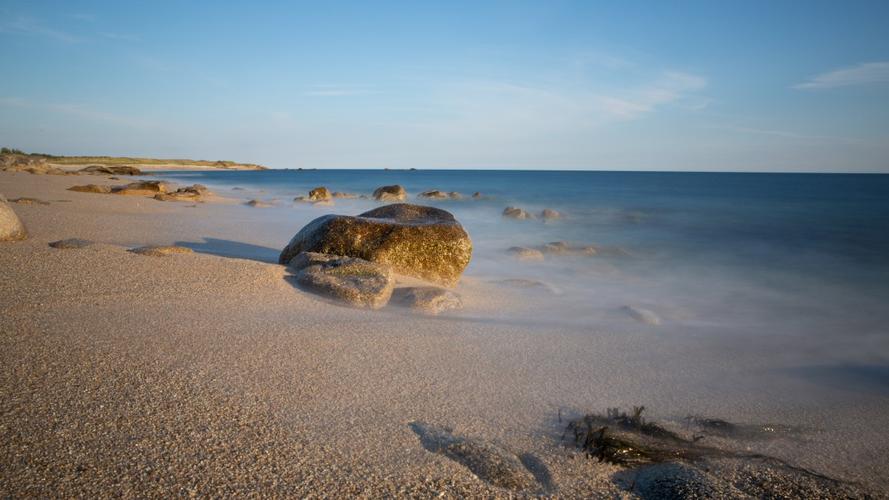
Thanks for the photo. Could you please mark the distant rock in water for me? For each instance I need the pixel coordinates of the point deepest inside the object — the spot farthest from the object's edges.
(516, 213)
(525, 253)
(390, 193)
(415, 240)
(549, 214)
(71, 243)
(440, 195)
(565, 248)
(641, 315)
(258, 204)
(91, 188)
(354, 281)
(527, 284)
(11, 227)
(188, 193)
(338, 194)
(427, 299)
(160, 251)
(238, 188)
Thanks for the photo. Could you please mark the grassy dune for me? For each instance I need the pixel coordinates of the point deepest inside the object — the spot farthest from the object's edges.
(124, 160)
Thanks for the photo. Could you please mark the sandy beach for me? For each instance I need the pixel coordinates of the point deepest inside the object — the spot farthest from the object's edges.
(201, 374)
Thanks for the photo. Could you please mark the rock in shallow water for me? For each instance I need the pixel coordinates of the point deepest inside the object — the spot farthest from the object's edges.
(143, 188)
(390, 193)
(414, 240)
(427, 299)
(641, 315)
(525, 253)
(11, 227)
(516, 213)
(354, 281)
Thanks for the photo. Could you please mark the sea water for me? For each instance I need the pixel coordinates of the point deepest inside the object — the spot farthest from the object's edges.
(799, 255)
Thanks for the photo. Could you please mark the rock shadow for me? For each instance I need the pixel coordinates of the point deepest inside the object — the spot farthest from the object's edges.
(233, 249)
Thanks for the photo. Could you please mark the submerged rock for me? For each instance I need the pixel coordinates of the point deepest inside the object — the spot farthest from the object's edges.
(440, 195)
(427, 299)
(143, 188)
(390, 193)
(528, 285)
(565, 248)
(258, 204)
(548, 214)
(354, 281)
(71, 243)
(491, 463)
(641, 315)
(91, 188)
(678, 481)
(339, 194)
(11, 227)
(525, 253)
(414, 240)
(516, 213)
(160, 250)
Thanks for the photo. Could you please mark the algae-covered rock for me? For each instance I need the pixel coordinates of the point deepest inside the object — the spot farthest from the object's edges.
(390, 193)
(356, 282)
(11, 227)
(419, 241)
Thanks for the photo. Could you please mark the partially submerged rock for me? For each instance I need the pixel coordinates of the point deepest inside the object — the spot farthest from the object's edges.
(565, 248)
(548, 214)
(160, 250)
(435, 194)
(71, 243)
(528, 284)
(91, 188)
(188, 193)
(320, 193)
(258, 204)
(339, 194)
(525, 253)
(419, 241)
(354, 281)
(680, 481)
(427, 299)
(490, 463)
(516, 213)
(11, 227)
(390, 193)
(641, 315)
(143, 188)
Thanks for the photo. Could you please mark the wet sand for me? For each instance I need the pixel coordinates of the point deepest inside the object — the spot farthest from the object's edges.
(203, 374)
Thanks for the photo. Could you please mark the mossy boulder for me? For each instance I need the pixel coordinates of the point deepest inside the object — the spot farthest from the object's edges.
(11, 227)
(414, 240)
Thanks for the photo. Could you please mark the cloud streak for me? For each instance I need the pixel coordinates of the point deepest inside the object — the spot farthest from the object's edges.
(25, 26)
(861, 74)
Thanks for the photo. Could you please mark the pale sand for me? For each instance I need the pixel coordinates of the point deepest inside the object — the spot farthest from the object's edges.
(149, 376)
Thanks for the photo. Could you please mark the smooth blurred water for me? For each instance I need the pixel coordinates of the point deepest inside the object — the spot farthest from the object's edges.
(804, 254)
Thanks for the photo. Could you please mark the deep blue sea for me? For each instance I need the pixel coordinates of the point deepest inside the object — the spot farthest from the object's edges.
(786, 252)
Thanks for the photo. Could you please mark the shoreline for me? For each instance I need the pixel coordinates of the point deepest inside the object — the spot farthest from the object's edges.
(214, 375)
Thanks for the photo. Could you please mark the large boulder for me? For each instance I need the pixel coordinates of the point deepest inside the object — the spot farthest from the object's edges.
(390, 193)
(11, 227)
(356, 282)
(415, 240)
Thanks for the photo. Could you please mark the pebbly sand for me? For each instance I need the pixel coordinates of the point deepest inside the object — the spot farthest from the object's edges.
(199, 374)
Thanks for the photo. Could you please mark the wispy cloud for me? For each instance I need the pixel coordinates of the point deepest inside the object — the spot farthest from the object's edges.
(30, 27)
(861, 74)
(794, 135)
(672, 86)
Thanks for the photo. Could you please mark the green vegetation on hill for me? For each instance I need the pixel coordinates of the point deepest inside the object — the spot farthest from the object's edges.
(120, 160)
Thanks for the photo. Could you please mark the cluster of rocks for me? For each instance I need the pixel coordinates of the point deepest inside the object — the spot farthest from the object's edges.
(159, 190)
(29, 164)
(435, 194)
(11, 227)
(110, 170)
(522, 214)
(354, 258)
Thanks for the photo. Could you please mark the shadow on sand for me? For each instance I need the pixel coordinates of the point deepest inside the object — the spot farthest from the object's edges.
(233, 249)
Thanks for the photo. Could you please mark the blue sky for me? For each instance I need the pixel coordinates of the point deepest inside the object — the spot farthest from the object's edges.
(765, 86)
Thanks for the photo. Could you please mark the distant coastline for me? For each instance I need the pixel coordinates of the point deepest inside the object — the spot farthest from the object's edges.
(68, 162)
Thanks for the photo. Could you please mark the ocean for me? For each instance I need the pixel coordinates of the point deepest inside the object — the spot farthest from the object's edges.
(801, 255)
